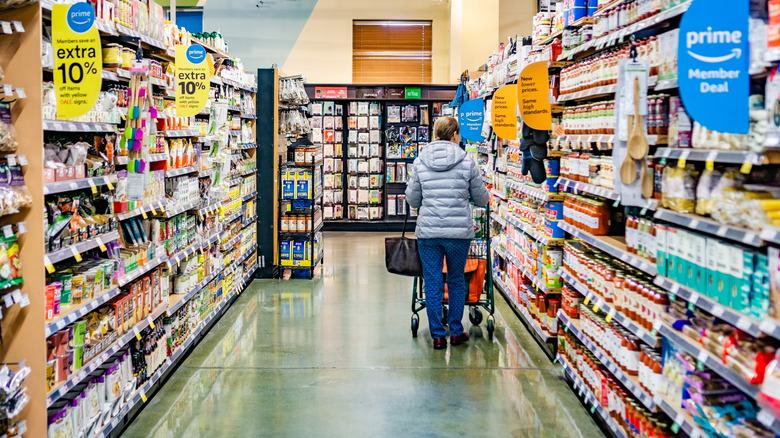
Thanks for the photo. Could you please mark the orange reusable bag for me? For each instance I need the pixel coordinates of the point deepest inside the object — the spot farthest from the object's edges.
(475, 277)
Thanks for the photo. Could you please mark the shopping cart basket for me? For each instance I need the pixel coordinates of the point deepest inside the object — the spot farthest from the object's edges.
(479, 278)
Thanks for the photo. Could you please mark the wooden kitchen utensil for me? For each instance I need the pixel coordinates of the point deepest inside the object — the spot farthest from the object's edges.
(637, 141)
(646, 181)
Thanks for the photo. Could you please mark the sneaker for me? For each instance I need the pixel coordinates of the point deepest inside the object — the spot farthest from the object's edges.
(457, 340)
(440, 343)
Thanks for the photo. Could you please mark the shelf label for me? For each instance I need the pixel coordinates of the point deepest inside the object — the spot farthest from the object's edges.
(143, 397)
(78, 59)
(533, 96)
(101, 245)
(713, 61)
(192, 79)
(76, 254)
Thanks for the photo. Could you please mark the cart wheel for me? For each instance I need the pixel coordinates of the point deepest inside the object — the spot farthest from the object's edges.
(490, 328)
(475, 316)
(444, 318)
(415, 325)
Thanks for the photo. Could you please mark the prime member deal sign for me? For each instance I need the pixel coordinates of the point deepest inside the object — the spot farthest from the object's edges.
(713, 62)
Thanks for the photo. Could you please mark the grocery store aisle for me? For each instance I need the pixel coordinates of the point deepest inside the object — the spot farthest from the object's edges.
(335, 357)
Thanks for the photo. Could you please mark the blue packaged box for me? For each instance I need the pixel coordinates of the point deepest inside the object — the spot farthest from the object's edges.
(298, 252)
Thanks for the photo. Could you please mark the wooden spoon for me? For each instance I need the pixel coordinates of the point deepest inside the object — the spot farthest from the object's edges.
(628, 171)
(637, 142)
(646, 181)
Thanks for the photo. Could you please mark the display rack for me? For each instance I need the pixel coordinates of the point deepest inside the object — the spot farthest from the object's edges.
(225, 234)
(663, 247)
(300, 218)
(375, 216)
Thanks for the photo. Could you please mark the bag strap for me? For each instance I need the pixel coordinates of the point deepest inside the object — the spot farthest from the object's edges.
(406, 220)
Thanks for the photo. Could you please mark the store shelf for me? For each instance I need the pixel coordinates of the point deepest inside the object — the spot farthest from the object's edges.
(771, 235)
(78, 184)
(629, 382)
(769, 415)
(183, 254)
(141, 270)
(181, 171)
(534, 192)
(586, 393)
(245, 146)
(716, 156)
(152, 207)
(78, 312)
(577, 187)
(607, 308)
(709, 226)
(230, 269)
(181, 133)
(612, 246)
(679, 416)
(535, 234)
(498, 219)
(230, 243)
(81, 247)
(248, 172)
(666, 84)
(710, 360)
(249, 196)
(250, 221)
(602, 142)
(545, 337)
(57, 393)
(64, 126)
(623, 35)
(178, 300)
(592, 93)
(231, 218)
(174, 209)
(743, 322)
(248, 116)
(209, 208)
(495, 193)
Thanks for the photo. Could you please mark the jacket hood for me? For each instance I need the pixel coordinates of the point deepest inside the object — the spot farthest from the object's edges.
(441, 156)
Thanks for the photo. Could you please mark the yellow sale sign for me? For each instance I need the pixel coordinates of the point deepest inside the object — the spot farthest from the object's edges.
(504, 112)
(78, 59)
(192, 80)
(534, 96)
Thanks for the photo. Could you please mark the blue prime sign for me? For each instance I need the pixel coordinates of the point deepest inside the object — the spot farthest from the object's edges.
(713, 63)
(471, 117)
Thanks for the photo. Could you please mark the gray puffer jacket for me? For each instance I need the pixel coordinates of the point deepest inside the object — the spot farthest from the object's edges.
(443, 178)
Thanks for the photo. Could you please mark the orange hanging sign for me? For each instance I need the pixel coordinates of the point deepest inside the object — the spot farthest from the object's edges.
(504, 112)
(534, 96)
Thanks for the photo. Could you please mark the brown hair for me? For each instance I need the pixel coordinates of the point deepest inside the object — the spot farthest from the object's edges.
(445, 128)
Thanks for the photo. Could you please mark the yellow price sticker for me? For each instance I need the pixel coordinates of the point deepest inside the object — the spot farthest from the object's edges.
(586, 301)
(154, 211)
(162, 209)
(93, 187)
(151, 324)
(138, 336)
(49, 268)
(681, 163)
(595, 307)
(747, 166)
(143, 214)
(76, 255)
(609, 318)
(143, 397)
(709, 165)
(110, 186)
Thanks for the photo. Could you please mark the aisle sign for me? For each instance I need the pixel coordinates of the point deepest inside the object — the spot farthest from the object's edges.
(330, 92)
(192, 80)
(471, 117)
(713, 62)
(78, 59)
(534, 96)
(412, 93)
(505, 112)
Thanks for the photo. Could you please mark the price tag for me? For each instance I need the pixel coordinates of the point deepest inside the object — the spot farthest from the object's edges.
(17, 296)
(20, 93)
(92, 186)
(8, 300)
(721, 231)
(586, 301)
(596, 308)
(718, 310)
(656, 326)
(110, 186)
(8, 231)
(710, 164)
(748, 238)
(691, 306)
(101, 245)
(747, 166)
(694, 223)
(766, 326)
(743, 324)
(25, 301)
(75, 253)
(617, 202)
(611, 315)
(683, 158)
(765, 418)
(162, 209)
(8, 90)
(143, 214)
(137, 334)
(702, 356)
(11, 158)
(48, 264)
(22, 159)
(73, 186)
(143, 397)
(151, 323)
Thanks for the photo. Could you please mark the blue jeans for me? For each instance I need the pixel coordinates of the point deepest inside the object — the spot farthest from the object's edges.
(432, 252)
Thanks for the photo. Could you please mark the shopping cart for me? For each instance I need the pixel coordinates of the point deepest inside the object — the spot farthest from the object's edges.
(479, 278)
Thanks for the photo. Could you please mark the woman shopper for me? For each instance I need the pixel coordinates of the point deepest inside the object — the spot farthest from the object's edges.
(443, 178)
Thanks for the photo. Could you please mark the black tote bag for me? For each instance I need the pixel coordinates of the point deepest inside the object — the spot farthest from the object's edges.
(401, 256)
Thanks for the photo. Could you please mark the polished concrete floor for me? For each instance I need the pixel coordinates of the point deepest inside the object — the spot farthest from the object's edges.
(334, 357)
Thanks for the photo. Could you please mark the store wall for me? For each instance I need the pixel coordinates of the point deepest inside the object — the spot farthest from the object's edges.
(474, 34)
(323, 52)
(515, 17)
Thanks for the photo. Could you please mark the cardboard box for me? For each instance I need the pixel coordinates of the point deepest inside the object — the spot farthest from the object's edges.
(672, 243)
(724, 274)
(698, 267)
(661, 249)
